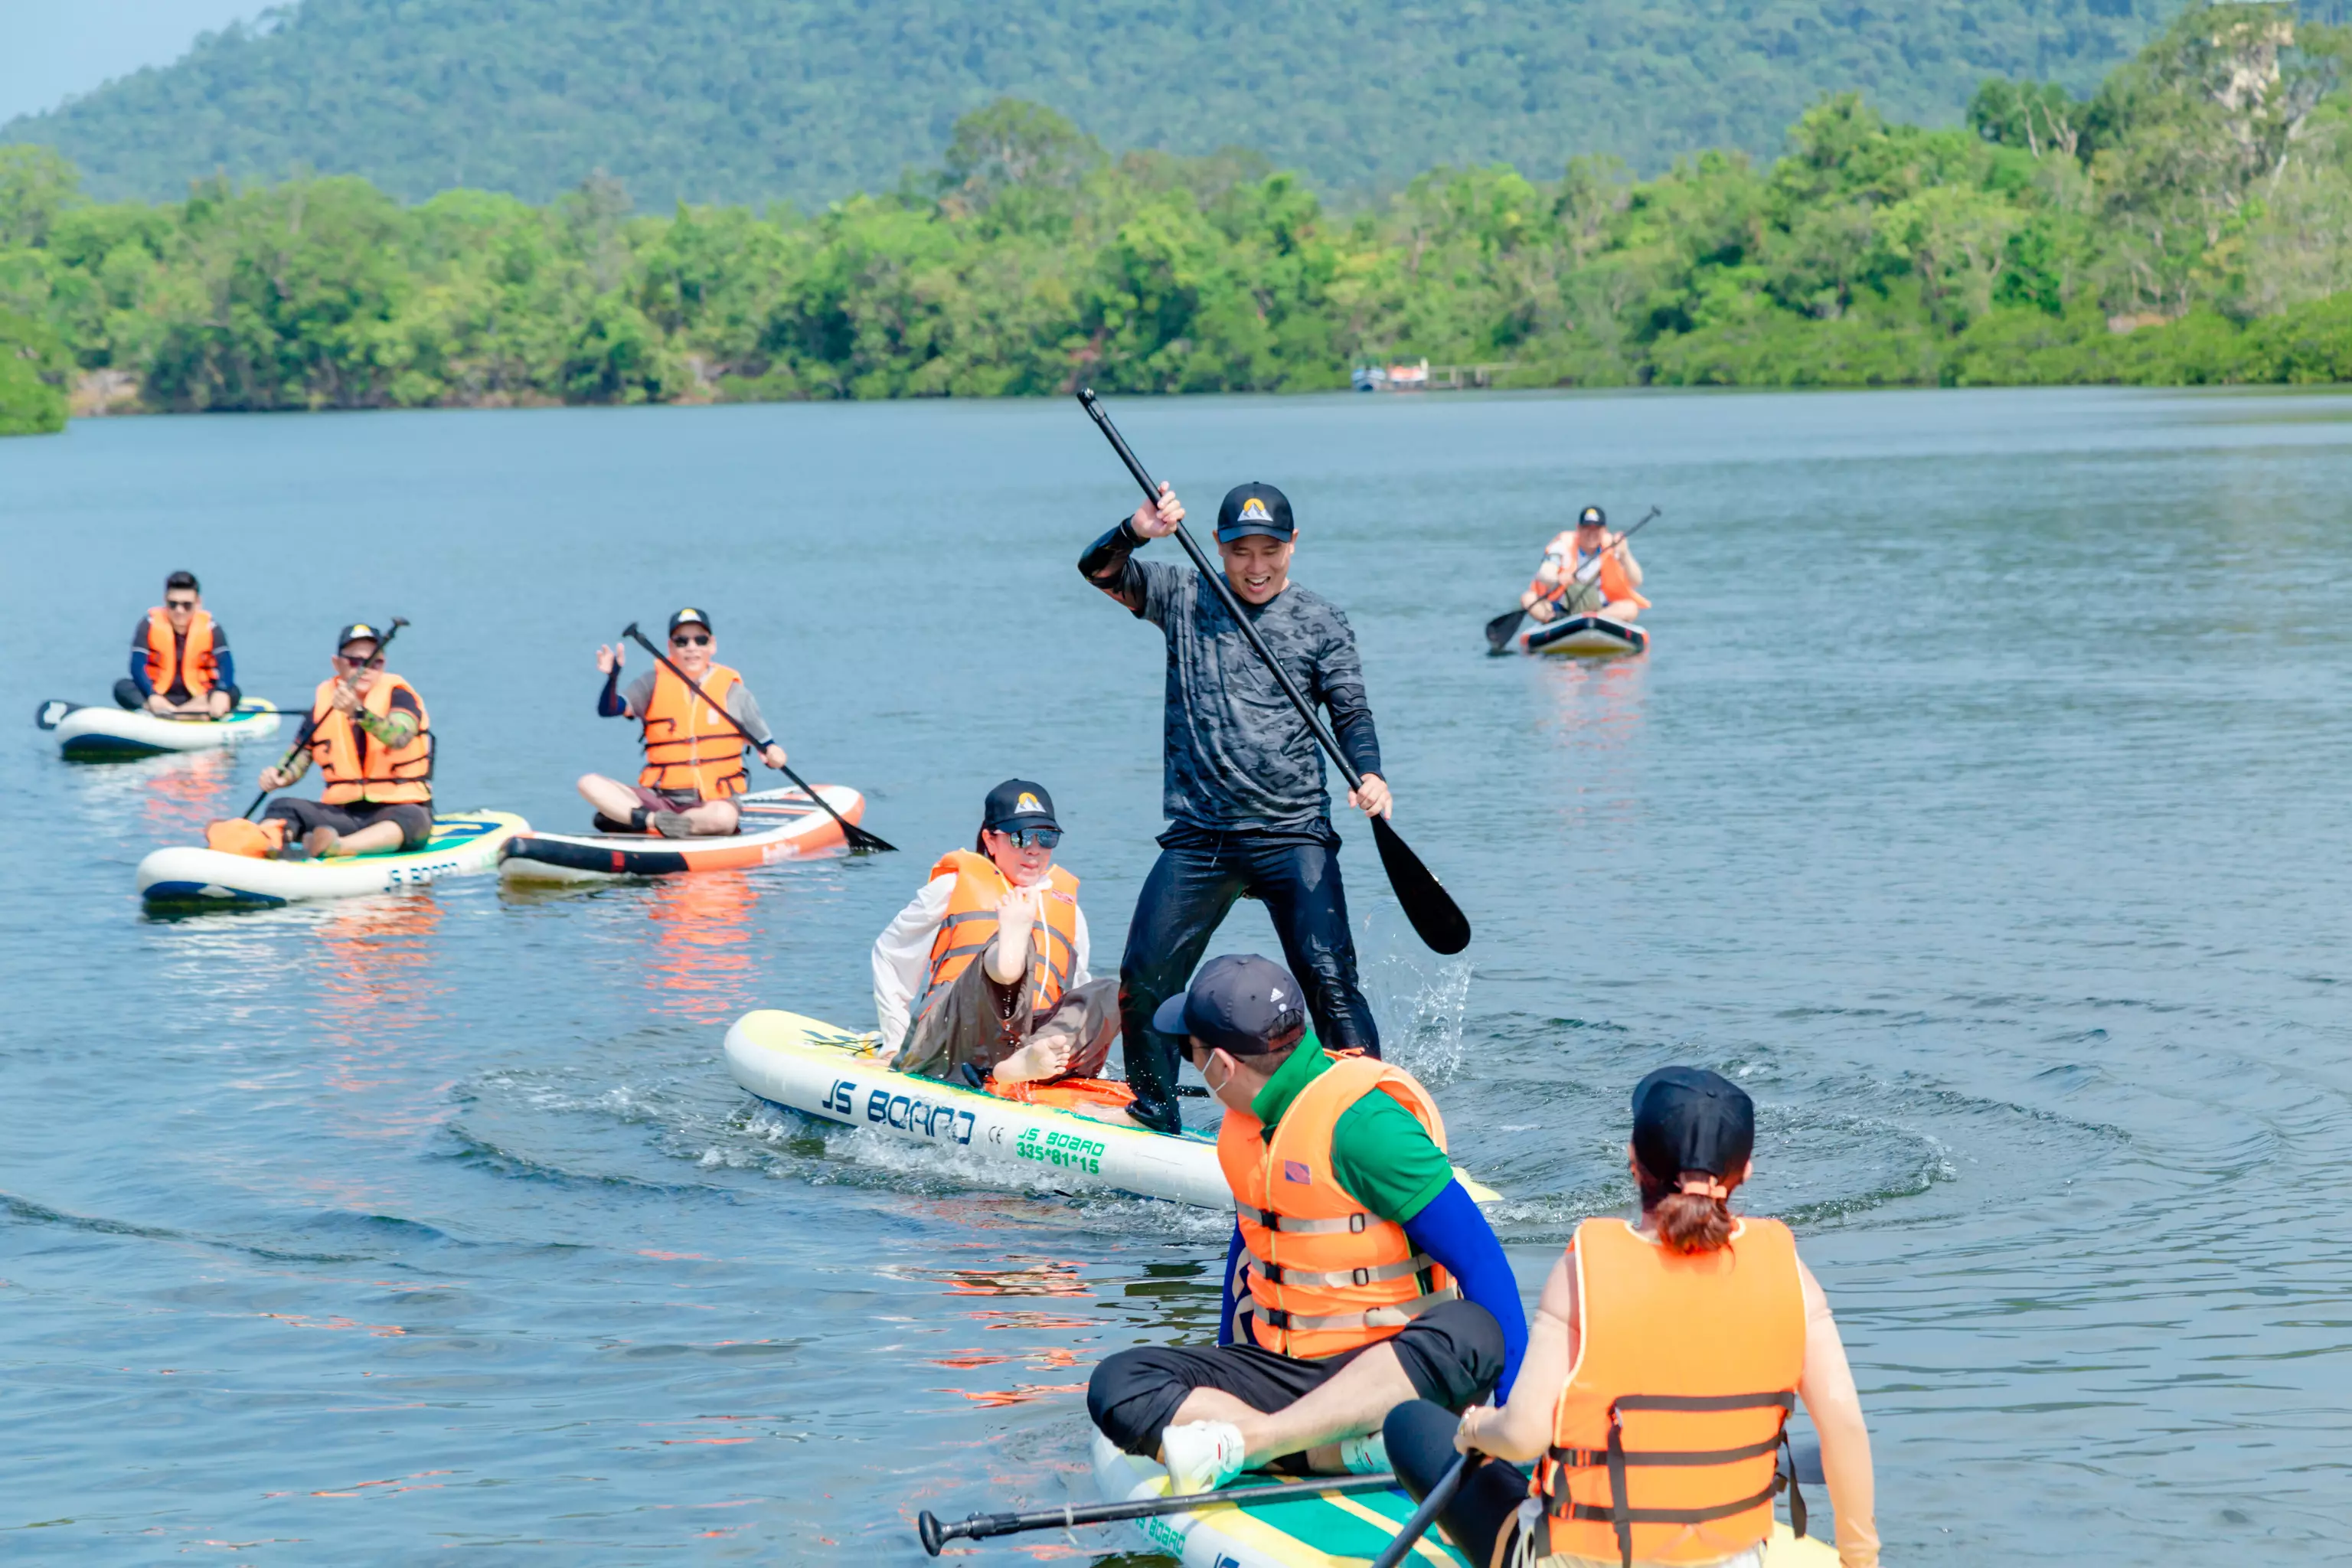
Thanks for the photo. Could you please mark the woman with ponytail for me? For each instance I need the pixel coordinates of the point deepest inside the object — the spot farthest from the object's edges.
(1661, 1367)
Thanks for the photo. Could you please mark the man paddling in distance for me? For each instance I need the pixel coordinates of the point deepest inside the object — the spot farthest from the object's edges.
(982, 978)
(694, 759)
(374, 745)
(1586, 571)
(1691, 1304)
(180, 664)
(1363, 1273)
(1244, 780)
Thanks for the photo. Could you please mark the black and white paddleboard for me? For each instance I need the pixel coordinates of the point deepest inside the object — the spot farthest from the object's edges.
(1589, 635)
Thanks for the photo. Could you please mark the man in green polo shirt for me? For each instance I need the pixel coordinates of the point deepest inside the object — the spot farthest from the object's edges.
(1340, 1178)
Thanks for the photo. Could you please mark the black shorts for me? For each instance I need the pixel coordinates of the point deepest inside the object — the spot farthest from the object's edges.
(1452, 1353)
(302, 815)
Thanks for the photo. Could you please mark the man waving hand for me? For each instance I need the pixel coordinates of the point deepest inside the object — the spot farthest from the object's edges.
(1244, 788)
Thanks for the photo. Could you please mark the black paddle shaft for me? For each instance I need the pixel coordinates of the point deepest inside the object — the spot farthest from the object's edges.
(310, 725)
(1425, 1515)
(935, 1532)
(857, 837)
(1435, 917)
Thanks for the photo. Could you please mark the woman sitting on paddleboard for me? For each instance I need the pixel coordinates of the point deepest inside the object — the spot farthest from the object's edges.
(1586, 571)
(1664, 1360)
(982, 978)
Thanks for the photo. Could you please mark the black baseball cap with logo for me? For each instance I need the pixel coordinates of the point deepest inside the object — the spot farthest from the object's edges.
(358, 631)
(1688, 1119)
(1018, 803)
(1238, 1003)
(690, 616)
(1593, 517)
(1254, 508)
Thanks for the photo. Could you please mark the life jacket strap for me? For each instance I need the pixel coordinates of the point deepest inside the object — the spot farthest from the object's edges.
(1377, 1318)
(1289, 1224)
(1621, 1513)
(1338, 1279)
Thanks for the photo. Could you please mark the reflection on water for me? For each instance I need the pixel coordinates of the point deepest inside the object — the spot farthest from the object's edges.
(700, 958)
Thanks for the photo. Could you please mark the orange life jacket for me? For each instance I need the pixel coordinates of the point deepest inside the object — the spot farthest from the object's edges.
(1616, 585)
(1685, 1375)
(1325, 1277)
(971, 926)
(363, 768)
(689, 741)
(167, 667)
(1068, 1093)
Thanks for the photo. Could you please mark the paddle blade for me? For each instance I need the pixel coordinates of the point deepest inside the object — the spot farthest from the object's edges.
(48, 714)
(1436, 919)
(1500, 630)
(861, 839)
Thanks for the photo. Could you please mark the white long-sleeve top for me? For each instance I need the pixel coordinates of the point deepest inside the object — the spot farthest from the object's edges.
(902, 956)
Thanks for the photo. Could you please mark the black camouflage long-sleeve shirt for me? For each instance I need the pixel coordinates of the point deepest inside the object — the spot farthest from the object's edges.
(1238, 756)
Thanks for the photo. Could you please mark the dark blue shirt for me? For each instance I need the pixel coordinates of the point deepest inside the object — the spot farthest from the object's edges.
(1238, 756)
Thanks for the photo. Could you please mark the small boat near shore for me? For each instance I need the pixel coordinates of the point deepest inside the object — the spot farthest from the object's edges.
(191, 877)
(1588, 636)
(107, 734)
(778, 825)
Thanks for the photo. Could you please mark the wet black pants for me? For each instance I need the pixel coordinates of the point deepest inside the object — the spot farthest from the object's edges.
(1419, 1436)
(1199, 875)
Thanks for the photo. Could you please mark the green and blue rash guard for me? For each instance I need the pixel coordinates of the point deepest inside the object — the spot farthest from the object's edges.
(1384, 1159)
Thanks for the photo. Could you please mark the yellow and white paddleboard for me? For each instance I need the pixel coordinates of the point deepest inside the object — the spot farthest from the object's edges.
(1328, 1531)
(834, 1075)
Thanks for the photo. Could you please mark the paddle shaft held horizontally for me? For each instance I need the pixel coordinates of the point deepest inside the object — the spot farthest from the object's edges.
(350, 682)
(1435, 917)
(859, 838)
(1425, 1515)
(935, 1532)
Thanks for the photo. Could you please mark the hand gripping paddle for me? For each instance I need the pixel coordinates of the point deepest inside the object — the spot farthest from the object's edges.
(859, 838)
(1438, 920)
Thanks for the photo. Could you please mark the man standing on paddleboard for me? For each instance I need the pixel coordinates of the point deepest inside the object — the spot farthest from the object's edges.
(1244, 790)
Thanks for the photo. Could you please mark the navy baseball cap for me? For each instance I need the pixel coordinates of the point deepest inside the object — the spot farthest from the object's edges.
(1254, 508)
(358, 631)
(1593, 517)
(1238, 1003)
(1018, 803)
(690, 616)
(1688, 1119)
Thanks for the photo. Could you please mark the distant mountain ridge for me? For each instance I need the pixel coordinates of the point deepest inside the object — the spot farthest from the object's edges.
(748, 100)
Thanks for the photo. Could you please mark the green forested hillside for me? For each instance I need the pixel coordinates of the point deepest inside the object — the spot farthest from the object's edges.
(2189, 221)
(748, 100)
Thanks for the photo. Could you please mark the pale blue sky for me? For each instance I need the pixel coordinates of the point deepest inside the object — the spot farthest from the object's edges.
(54, 48)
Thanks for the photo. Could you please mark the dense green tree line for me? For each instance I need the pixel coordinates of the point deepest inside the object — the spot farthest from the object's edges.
(2189, 221)
(812, 100)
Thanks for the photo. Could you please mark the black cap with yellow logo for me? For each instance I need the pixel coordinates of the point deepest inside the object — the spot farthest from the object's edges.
(1254, 508)
(358, 631)
(690, 616)
(1018, 803)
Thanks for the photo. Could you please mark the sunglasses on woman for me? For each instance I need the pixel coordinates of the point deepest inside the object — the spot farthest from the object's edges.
(1034, 838)
(689, 642)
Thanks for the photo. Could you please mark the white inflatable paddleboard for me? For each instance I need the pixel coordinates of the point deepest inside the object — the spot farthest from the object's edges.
(831, 1074)
(104, 735)
(778, 825)
(1589, 635)
(463, 843)
(1322, 1532)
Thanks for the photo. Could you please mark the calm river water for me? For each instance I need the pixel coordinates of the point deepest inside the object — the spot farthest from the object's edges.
(1982, 807)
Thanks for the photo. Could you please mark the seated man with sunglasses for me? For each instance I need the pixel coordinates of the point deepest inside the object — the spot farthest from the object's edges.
(694, 757)
(372, 741)
(982, 978)
(180, 664)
